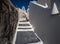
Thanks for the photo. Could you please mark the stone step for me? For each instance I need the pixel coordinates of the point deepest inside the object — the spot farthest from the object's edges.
(27, 27)
(23, 22)
(23, 25)
(25, 30)
(26, 37)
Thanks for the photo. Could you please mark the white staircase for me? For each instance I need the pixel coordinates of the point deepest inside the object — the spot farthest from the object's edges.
(25, 26)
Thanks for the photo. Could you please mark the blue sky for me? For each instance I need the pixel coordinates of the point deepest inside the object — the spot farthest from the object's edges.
(20, 3)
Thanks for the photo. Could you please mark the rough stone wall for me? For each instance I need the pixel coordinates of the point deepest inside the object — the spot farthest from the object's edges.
(8, 21)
